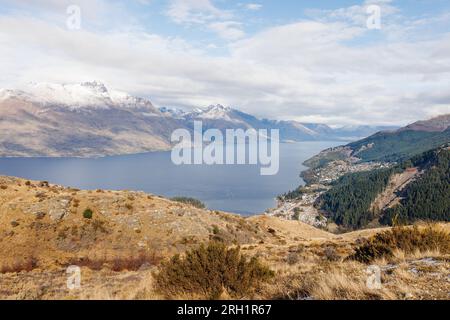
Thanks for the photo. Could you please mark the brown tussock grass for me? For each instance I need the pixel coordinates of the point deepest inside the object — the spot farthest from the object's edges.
(27, 265)
(119, 264)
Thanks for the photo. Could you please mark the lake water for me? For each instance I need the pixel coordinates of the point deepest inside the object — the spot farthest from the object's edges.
(234, 188)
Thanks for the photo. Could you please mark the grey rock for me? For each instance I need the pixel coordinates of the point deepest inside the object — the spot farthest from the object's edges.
(59, 208)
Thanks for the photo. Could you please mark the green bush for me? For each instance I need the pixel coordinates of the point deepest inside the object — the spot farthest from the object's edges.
(209, 270)
(190, 201)
(406, 239)
(216, 230)
(87, 214)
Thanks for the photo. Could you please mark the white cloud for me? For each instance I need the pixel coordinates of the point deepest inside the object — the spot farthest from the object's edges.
(230, 30)
(355, 14)
(308, 70)
(253, 6)
(207, 15)
(195, 11)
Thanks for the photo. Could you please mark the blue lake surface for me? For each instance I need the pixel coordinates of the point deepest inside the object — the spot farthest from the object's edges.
(234, 188)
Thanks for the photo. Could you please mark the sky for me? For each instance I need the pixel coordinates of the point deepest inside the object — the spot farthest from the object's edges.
(335, 62)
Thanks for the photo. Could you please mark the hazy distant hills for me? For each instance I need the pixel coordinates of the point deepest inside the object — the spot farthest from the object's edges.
(89, 119)
(220, 117)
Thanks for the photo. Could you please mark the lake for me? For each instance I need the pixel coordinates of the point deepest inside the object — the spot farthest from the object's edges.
(233, 188)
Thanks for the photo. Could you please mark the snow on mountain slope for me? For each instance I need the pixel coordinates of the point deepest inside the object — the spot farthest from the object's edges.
(175, 113)
(76, 96)
(80, 120)
(220, 117)
(215, 112)
(89, 119)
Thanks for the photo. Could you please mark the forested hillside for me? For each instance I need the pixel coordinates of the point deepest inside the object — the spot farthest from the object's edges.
(399, 145)
(427, 198)
(348, 202)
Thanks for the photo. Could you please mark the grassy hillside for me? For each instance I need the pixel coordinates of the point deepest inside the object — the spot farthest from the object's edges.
(131, 245)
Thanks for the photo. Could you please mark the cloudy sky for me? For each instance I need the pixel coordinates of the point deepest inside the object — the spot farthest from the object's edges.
(321, 61)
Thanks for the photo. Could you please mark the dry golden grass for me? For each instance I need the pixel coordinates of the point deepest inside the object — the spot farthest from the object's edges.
(308, 263)
(348, 281)
(336, 281)
(141, 290)
(405, 240)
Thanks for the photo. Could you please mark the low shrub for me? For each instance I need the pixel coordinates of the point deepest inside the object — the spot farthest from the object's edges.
(134, 263)
(128, 206)
(209, 270)
(190, 201)
(406, 239)
(28, 264)
(330, 254)
(292, 258)
(87, 214)
(215, 230)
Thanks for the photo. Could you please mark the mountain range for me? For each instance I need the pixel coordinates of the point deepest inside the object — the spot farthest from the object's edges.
(91, 120)
(220, 117)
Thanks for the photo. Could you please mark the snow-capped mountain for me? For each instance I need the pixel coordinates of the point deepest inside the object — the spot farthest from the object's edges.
(77, 96)
(80, 120)
(175, 113)
(220, 117)
(90, 119)
(215, 112)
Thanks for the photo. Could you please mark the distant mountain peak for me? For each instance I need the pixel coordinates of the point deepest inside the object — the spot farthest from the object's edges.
(214, 108)
(215, 112)
(217, 107)
(173, 112)
(93, 94)
(99, 86)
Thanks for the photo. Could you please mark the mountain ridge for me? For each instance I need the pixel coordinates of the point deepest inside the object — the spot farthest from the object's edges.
(91, 120)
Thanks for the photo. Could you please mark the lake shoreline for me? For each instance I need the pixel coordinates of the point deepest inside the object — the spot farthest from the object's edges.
(238, 188)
